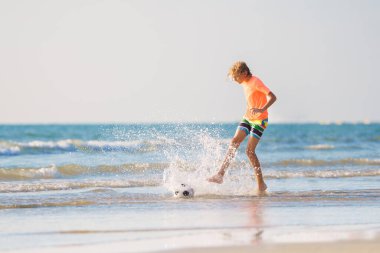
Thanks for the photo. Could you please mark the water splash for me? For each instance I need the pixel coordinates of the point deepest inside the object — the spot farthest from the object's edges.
(193, 162)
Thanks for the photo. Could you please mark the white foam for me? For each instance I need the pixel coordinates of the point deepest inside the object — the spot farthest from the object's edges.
(110, 144)
(48, 172)
(70, 185)
(95, 145)
(61, 144)
(9, 150)
(320, 147)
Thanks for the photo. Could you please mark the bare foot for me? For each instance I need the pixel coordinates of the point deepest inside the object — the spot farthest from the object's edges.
(261, 188)
(218, 178)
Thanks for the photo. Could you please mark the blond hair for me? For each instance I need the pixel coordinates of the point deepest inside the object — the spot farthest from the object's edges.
(237, 69)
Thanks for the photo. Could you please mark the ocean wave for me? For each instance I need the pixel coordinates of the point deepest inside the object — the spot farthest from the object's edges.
(77, 170)
(72, 170)
(61, 144)
(8, 148)
(116, 198)
(48, 204)
(8, 151)
(11, 187)
(322, 174)
(313, 162)
(320, 147)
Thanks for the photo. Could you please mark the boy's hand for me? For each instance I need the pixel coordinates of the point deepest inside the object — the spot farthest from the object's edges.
(272, 99)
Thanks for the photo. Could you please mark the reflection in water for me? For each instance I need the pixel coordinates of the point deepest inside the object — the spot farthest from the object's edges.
(255, 210)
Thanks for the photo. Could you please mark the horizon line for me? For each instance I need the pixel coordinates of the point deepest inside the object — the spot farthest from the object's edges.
(325, 122)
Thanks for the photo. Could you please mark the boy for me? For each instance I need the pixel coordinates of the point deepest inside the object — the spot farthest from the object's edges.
(253, 123)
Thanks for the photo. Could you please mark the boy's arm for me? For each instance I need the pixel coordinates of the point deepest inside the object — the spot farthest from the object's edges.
(272, 99)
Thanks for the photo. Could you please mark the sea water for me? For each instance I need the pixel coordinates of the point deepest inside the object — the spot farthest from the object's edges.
(64, 185)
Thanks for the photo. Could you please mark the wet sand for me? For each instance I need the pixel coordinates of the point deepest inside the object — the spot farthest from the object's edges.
(226, 242)
(372, 246)
(365, 246)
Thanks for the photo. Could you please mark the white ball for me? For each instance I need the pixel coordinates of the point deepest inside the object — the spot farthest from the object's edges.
(183, 191)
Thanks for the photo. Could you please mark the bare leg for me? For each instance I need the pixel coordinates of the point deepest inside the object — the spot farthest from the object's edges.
(235, 143)
(251, 153)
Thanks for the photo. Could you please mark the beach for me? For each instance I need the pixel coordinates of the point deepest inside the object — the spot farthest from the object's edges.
(359, 246)
(109, 188)
(184, 244)
(368, 246)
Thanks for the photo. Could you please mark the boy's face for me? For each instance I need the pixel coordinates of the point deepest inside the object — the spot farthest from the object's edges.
(242, 77)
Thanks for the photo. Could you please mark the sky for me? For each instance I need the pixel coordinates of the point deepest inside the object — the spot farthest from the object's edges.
(79, 61)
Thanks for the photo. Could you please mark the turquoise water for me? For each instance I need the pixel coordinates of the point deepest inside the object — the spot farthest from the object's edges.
(116, 181)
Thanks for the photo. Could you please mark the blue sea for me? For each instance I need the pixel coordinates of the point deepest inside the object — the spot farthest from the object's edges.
(101, 184)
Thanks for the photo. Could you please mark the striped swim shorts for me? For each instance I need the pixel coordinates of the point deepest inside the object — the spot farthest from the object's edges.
(253, 128)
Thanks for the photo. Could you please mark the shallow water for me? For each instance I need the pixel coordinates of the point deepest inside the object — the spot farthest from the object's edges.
(88, 184)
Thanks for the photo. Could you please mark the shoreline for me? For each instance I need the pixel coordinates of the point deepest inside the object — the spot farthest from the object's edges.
(355, 246)
(368, 246)
(323, 240)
